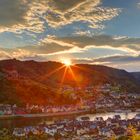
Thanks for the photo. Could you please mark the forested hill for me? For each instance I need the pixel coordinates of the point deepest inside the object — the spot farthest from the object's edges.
(38, 82)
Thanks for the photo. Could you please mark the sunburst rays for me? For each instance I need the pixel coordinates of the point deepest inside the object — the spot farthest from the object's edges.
(66, 69)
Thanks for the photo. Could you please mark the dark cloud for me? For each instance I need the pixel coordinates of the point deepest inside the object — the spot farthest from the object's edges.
(119, 58)
(12, 12)
(46, 48)
(132, 44)
(129, 63)
(64, 5)
(114, 59)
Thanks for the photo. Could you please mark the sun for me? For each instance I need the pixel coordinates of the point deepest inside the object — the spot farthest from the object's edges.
(66, 62)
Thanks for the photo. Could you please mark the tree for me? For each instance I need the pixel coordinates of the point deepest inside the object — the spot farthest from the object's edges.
(133, 132)
(113, 137)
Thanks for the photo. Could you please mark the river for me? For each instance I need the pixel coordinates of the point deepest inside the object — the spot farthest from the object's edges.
(22, 122)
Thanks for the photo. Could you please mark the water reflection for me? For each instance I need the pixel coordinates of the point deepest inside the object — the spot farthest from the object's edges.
(22, 122)
(106, 115)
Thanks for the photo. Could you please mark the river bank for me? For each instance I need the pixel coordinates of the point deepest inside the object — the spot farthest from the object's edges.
(41, 115)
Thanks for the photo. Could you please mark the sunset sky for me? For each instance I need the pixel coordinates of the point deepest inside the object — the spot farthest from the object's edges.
(105, 32)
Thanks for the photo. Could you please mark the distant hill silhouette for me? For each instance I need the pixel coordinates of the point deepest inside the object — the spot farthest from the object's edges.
(39, 82)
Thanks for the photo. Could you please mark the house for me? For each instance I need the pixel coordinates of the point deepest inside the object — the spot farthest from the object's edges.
(119, 132)
(126, 103)
(51, 131)
(82, 130)
(112, 122)
(134, 95)
(99, 105)
(137, 117)
(115, 95)
(93, 132)
(117, 117)
(19, 132)
(86, 118)
(100, 119)
(107, 132)
(8, 111)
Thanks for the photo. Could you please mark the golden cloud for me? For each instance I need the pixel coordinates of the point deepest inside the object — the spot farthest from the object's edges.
(61, 12)
(31, 15)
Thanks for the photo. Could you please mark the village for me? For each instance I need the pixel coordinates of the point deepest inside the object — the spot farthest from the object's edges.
(80, 128)
(105, 98)
(110, 99)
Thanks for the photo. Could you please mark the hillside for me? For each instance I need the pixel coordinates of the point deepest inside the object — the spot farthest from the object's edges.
(136, 75)
(39, 82)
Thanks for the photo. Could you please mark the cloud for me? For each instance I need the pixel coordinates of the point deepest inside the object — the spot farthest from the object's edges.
(128, 62)
(83, 33)
(14, 53)
(46, 46)
(76, 47)
(130, 45)
(12, 12)
(31, 15)
(52, 45)
(138, 5)
(4, 55)
(21, 54)
(21, 15)
(62, 12)
(118, 58)
(53, 40)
